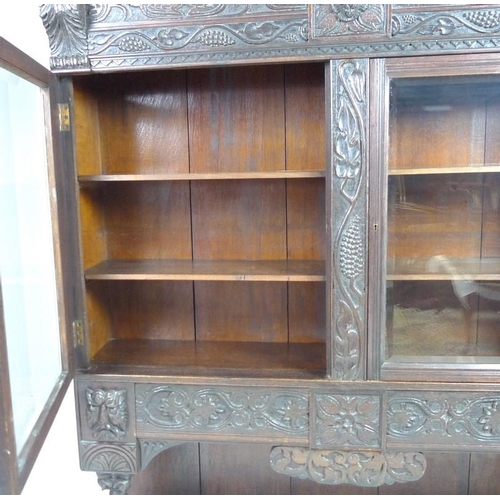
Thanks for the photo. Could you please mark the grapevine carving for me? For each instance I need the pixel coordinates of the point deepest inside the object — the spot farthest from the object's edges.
(340, 467)
(349, 139)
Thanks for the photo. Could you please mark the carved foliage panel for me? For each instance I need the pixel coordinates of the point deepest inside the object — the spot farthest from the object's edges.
(349, 123)
(175, 410)
(106, 411)
(445, 419)
(330, 21)
(343, 421)
(341, 467)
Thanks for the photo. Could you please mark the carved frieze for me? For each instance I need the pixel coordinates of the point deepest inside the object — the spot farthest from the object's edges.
(442, 24)
(348, 151)
(106, 412)
(107, 457)
(344, 421)
(215, 410)
(339, 20)
(66, 27)
(444, 419)
(339, 467)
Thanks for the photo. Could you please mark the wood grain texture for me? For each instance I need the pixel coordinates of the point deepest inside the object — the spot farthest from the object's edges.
(209, 270)
(306, 487)
(446, 474)
(143, 122)
(236, 119)
(483, 478)
(305, 117)
(172, 472)
(252, 359)
(231, 469)
(146, 310)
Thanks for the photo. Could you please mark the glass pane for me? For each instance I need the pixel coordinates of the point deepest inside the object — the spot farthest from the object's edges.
(443, 249)
(27, 253)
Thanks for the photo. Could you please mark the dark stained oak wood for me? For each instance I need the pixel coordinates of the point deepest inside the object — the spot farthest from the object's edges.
(209, 270)
(231, 469)
(173, 472)
(483, 478)
(236, 119)
(446, 474)
(305, 487)
(254, 359)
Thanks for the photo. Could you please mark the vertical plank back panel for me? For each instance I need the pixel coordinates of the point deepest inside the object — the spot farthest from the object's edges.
(236, 119)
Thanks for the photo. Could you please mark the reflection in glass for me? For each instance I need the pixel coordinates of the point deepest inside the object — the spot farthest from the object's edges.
(443, 249)
(27, 253)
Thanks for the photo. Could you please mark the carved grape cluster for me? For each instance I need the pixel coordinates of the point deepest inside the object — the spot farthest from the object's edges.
(351, 250)
(484, 18)
(132, 44)
(215, 38)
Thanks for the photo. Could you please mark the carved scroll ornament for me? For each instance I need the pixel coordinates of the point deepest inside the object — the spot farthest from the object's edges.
(356, 468)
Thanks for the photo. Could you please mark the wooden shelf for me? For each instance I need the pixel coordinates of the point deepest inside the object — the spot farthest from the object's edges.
(171, 357)
(466, 169)
(278, 174)
(442, 269)
(238, 270)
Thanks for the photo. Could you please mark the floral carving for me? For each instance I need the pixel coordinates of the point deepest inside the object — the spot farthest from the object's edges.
(117, 484)
(216, 410)
(347, 420)
(441, 419)
(107, 413)
(349, 157)
(335, 20)
(357, 468)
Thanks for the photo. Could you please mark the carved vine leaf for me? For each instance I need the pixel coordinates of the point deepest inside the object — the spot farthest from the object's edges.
(107, 415)
(357, 468)
(347, 143)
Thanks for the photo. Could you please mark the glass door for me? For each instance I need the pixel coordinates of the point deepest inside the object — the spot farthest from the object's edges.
(441, 185)
(34, 373)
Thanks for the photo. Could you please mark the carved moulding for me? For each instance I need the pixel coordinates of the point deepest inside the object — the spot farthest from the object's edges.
(338, 20)
(349, 117)
(455, 23)
(229, 411)
(444, 420)
(66, 27)
(370, 468)
(346, 421)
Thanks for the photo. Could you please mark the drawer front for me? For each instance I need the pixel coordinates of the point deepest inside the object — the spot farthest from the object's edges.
(197, 411)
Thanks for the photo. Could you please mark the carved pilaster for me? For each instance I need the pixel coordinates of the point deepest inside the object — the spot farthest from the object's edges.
(348, 149)
(66, 26)
(357, 468)
(117, 484)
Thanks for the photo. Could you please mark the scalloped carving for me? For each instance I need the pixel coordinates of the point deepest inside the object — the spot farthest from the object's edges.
(340, 467)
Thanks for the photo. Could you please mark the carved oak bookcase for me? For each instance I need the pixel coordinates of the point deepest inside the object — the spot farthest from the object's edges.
(288, 232)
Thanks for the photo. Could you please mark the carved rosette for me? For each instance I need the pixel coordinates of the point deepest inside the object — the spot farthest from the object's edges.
(356, 468)
(346, 421)
(349, 157)
(225, 411)
(337, 20)
(66, 27)
(106, 412)
(444, 419)
(443, 24)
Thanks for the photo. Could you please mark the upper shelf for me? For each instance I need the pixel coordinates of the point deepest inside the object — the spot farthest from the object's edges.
(466, 169)
(204, 270)
(190, 176)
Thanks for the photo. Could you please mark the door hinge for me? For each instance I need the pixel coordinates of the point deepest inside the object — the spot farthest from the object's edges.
(64, 117)
(78, 337)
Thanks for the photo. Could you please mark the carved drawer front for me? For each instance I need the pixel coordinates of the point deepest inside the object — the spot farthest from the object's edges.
(346, 421)
(443, 420)
(173, 410)
(106, 411)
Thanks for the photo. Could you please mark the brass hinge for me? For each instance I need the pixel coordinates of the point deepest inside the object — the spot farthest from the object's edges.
(64, 117)
(78, 337)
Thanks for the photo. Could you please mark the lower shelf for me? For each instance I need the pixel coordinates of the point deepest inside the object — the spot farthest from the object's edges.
(246, 359)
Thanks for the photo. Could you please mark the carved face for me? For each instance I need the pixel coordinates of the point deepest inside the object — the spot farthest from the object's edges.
(106, 413)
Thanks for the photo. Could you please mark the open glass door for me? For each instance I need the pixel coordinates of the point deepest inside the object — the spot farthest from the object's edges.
(34, 365)
(442, 217)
